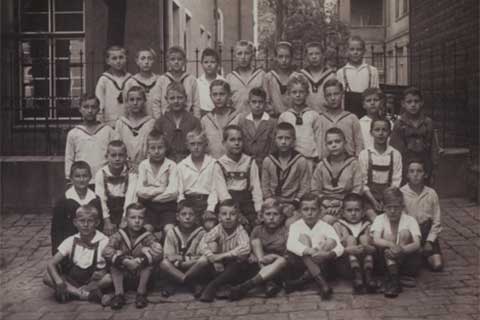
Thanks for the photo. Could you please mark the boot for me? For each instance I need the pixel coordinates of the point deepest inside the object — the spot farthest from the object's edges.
(392, 284)
(272, 289)
(357, 281)
(240, 291)
(370, 283)
(323, 287)
(297, 284)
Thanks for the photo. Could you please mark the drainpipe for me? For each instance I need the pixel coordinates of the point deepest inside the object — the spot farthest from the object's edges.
(239, 19)
(215, 21)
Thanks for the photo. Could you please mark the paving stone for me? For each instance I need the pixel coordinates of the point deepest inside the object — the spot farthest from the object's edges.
(95, 315)
(271, 316)
(24, 316)
(233, 311)
(463, 308)
(298, 306)
(308, 315)
(180, 314)
(264, 308)
(349, 314)
(428, 310)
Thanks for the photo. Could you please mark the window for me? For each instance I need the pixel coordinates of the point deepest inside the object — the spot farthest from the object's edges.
(401, 8)
(186, 33)
(175, 24)
(367, 13)
(52, 59)
(220, 27)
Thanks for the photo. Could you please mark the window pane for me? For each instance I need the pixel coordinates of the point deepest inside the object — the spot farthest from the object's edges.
(35, 56)
(35, 22)
(367, 12)
(69, 22)
(34, 6)
(68, 5)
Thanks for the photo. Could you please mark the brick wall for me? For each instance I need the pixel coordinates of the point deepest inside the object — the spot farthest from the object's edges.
(444, 40)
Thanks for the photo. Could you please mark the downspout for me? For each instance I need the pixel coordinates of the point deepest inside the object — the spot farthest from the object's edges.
(215, 21)
(239, 19)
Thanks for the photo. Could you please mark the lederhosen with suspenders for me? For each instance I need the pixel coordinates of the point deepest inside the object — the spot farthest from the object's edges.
(119, 88)
(185, 247)
(330, 201)
(243, 198)
(377, 188)
(77, 275)
(115, 204)
(353, 100)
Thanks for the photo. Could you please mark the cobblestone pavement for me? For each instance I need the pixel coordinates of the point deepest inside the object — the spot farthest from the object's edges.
(452, 294)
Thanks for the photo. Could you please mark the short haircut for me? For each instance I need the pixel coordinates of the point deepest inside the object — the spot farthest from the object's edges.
(87, 97)
(412, 91)
(270, 203)
(221, 83)
(353, 197)
(300, 79)
(381, 119)
(372, 91)
(310, 196)
(392, 194)
(335, 130)
(226, 203)
(231, 127)
(177, 87)
(88, 209)
(156, 135)
(334, 82)
(185, 204)
(358, 39)
(209, 52)
(313, 44)
(284, 45)
(145, 49)
(114, 48)
(138, 89)
(285, 126)
(80, 165)
(176, 49)
(257, 92)
(196, 133)
(416, 160)
(135, 206)
(245, 44)
(116, 144)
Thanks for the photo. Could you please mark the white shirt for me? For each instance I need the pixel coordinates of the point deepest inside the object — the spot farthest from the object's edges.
(365, 124)
(83, 256)
(318, 234)
(116, 190)
(195, 181)
(381, 225)
(165, 181)
(109, 91)
(203, 87)
(381, 159)
(359, 78)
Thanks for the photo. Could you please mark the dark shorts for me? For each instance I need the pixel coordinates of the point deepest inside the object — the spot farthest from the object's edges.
(408, 266)
(78, 276)
(160, 214)
(296, 267)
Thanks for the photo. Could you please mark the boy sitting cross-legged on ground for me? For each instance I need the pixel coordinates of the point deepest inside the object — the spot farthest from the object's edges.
(226, 247)
(78, 269)
(312, 244)
(132, 253)
(182, 259)
(269, 246)
(397, 236)
(353, 229)
(422, 203)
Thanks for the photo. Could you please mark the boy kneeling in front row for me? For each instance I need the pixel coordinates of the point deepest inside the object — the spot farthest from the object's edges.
(78, 269)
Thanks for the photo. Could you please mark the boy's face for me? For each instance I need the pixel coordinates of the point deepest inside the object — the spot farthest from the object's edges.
(243, 56)
(156, 150)
(176, 100)
(234, 142)
(353, 212)
(314, 56)
(196, 146)
(228, 217)
(135, 219)
(380, 132)
(257, 105)
(85, 222)
(371, 104)
(175, 62)
(117, 60)
(89, 110)
(393, 209)
(310, 212)
(210, 65)
(355, 52)
(283, 58)
(272, 218)
(335, 144)
(333, 96)
(219, 96)
(135, 102)
(298, 95)
(116, 157)
(412, 104)
(284, 141)
(145, 61)
(186, 218)
(80, 178)
(416, 174)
